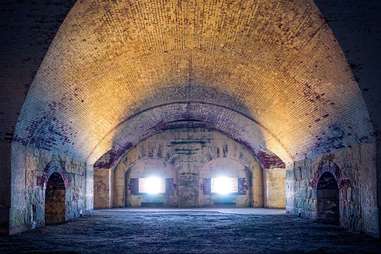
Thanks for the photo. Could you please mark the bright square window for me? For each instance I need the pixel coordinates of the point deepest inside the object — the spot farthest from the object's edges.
(152, 185)
(224, 185)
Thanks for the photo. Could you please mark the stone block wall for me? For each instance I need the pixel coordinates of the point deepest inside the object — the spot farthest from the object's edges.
(102, 188)
(31, 170)
(188, 156)
(354, 169)
(233, 168)
(274, 188)
(145, 167)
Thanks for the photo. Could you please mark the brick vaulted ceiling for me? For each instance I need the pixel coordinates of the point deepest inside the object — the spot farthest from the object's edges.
(269, 73)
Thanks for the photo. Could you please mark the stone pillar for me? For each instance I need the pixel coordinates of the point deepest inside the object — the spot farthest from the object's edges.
(274, 188)
(257, 186)
(102, 188)
(368, 186)
(290, 188)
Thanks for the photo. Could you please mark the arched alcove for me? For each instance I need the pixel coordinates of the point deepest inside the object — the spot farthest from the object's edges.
(55, 200)
(328, 199)
(149, 183)
(240, 175)
(185, 159)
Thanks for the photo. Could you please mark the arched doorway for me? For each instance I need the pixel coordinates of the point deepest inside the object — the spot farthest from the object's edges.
(328, 199)
(55, 200)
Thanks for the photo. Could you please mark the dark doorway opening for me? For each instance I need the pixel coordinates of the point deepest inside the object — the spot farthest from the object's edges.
(328, 199)
(55, 200)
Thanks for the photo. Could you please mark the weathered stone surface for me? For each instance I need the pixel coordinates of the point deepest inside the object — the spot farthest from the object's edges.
(278, 59)
(28, 197)
(355, 172)
(274, 188)
(195, 231)
(189, 156)
(356, 25)
(27, 29)
(103, 188)
(275, 62)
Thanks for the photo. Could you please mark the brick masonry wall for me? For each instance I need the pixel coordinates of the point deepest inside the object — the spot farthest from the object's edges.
(103, 188)
(21, 53)
(355, 172)
(32, 168)
(274, 187)
(279, 58)
(189, 152)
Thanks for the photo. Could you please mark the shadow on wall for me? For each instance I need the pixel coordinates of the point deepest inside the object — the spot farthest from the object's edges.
(36, 23)
(327, 196)
(356, 25)
(55, 200)
(323, 186)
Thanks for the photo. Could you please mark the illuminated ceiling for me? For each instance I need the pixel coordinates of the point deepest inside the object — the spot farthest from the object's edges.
(268, 73)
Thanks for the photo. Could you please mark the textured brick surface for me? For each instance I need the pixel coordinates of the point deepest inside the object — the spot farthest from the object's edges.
(102, 188)
(30, 179)
(274, 67)
(278, 58)
(274, 188)
(188, 155)
(26, 30)
(356, 27)
(354, 170)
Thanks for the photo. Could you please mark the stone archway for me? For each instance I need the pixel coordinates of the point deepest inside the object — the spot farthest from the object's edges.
(139, 176)
(328, 199)
(55, 200)
(240, 176)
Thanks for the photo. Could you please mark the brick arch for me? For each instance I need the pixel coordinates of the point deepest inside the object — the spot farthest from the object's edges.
(248, 170)
(283, 76)
(144, 124)
(229, 166)
(348, 191)
(54, 166)
(326, 165)
(140, 61)
(146, 167)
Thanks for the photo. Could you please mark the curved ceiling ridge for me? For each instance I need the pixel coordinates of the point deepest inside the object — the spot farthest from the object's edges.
(277, 62)
(187, 115)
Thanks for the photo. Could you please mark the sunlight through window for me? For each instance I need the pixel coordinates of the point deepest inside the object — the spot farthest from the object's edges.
(224, 185)
(151, 185)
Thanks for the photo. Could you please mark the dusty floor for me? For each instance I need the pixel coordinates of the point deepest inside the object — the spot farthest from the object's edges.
(190, 231)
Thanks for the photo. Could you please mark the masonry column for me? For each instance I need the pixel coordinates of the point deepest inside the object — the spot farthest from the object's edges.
(103, 188)
(274, 187)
